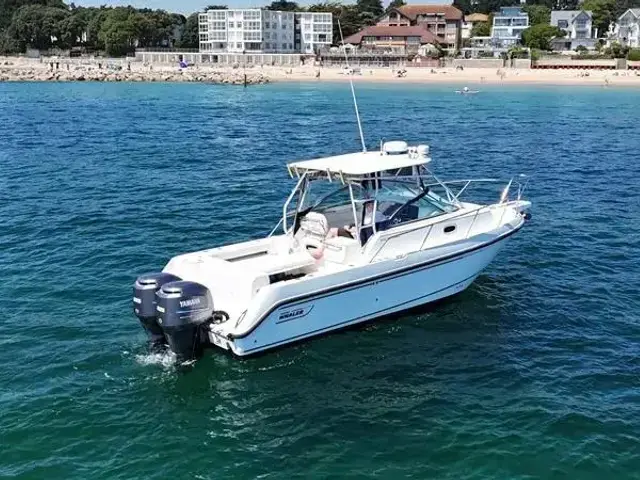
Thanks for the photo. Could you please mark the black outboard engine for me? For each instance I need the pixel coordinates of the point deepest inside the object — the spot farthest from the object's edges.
(183, 308)
(144, 304)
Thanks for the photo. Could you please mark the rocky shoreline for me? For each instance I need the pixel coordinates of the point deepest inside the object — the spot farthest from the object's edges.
(10, 73)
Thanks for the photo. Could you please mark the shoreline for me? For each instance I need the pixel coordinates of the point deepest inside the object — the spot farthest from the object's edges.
(14, 69)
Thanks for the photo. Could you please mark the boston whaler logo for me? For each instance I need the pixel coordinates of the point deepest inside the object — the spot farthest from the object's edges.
(294, 313)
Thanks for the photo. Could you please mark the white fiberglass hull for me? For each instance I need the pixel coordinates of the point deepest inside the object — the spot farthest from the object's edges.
(412, 281)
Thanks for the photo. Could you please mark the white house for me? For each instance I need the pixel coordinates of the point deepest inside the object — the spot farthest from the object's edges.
(508, 25)
(627, 29)
(506, 32)
(255, 30)
(578, 25)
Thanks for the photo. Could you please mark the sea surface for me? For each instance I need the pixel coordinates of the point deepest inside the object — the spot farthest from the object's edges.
(531, 373)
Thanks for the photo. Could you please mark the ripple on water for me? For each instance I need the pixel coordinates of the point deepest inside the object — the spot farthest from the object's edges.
(532, 372)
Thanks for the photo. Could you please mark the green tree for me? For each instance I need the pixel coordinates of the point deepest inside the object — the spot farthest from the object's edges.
(489, 6)
(37, 26)
(350, 21)
(70, 30)
(618, 51)
(582, 50)
(603, 13)
(347, 15)
(481, 29)
(395, 4)
(216, 7)
(539, 36)
(538, 14)
(634, 54)
(190, 34)
(118, 32)
(622, 6)
(369, 11)
(9, 7)
(96, 19)
(464, 6)
(283, 6)
(154, 28)
(8, 45)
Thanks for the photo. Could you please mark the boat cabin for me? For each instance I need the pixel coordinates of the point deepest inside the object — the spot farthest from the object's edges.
(358, 194)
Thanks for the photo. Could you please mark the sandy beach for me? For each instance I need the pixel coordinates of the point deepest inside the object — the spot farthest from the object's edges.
(472, 77)
(21, 69)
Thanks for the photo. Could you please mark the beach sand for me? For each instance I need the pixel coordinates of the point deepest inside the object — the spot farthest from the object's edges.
(23, 69)
(471, 77)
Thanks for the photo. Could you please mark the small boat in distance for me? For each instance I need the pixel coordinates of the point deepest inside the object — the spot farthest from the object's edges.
(467, 91)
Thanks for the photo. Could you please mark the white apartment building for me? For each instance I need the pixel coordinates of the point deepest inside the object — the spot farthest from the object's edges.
(264, 31)
(506, 32)
(313, 31)
(508, 25)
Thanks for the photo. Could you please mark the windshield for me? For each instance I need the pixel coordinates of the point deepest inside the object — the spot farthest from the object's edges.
(334, 203)
(401, 202)
(397, 201)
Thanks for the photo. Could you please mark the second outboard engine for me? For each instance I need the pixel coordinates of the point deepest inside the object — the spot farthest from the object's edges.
(183, 308)
(144, 304)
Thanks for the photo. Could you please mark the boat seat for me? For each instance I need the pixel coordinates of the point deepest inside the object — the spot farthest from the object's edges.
(341, 250)
(314, 227)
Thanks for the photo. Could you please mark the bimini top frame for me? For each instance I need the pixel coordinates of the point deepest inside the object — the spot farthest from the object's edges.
(344, 167)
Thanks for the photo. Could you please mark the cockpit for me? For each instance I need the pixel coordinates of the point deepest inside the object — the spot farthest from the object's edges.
(347, 199)
(370, 208)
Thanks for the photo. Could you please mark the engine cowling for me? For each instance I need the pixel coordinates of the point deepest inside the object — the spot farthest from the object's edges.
(182, 308)
(144, 304)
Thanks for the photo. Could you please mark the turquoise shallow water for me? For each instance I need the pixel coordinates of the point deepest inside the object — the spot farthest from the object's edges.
(533, 372)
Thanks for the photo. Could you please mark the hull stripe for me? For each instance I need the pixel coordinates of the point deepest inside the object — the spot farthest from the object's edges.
(361, 318)
(291, 302)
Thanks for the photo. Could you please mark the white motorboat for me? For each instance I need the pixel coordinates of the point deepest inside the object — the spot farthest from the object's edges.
(362, 235)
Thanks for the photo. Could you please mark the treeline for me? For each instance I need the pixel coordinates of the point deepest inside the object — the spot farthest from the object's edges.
(47, 24)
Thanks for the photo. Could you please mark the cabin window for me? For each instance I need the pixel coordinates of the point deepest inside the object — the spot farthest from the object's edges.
(402, 202)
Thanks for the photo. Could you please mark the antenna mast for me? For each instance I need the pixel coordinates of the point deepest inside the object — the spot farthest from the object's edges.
(353, 92)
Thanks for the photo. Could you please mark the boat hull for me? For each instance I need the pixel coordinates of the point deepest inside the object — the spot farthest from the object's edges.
(413, 285)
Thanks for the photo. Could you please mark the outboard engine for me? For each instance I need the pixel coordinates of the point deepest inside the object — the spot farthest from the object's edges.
(144, 304)
(183, 308)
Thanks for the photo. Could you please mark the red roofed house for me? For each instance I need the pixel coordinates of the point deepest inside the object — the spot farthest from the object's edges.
(403, 39)
(444, 21)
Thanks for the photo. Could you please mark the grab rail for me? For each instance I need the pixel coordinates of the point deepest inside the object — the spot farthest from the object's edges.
(289, 198)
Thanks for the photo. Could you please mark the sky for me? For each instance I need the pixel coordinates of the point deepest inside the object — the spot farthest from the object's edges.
(190, 6)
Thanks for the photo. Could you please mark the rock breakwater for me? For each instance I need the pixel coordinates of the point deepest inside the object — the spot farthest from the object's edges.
(17, 73)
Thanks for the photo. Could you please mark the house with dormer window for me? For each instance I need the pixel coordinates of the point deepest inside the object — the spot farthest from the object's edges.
(578, 25)
(443, 21)
(626, 30)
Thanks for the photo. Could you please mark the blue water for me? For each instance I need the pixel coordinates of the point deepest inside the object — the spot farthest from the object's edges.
(533, 372)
